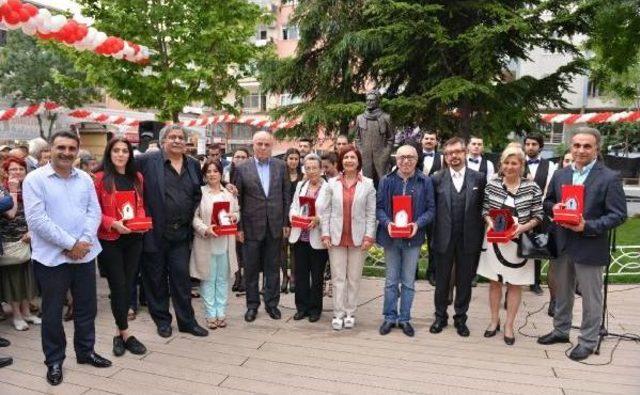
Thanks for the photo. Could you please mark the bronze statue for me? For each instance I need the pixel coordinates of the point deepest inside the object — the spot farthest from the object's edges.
(374, 138)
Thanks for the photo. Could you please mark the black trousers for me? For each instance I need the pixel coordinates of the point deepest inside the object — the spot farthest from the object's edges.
(309, 274)
(466, 266)
(262, 255)
(54, 283)
(164, 273)
(431, 263)
(120, 260)
(538, 271)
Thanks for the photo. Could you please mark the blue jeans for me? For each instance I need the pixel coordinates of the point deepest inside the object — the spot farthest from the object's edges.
(215, 289)
(401, 264)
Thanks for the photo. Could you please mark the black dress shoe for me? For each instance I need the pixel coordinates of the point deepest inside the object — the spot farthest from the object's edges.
(509, 340)
(5, 361)
(552, 338)
(250, 315)
(551, 311)
(299, 315)
(54, 374)
(438, 326)
(274, 313)
(492, 333)
(118, 346)
(407, 329)
(314, 317)
(462, 329)
(134, 346)
(386, 327)
(536, 289)
(4, 342)
(580, 352)
(164, 331)
(94, 360)
(196, 330)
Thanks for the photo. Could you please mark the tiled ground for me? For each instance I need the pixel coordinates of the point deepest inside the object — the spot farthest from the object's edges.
(278, 357)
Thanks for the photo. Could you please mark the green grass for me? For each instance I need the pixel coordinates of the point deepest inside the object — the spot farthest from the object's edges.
(629, 232)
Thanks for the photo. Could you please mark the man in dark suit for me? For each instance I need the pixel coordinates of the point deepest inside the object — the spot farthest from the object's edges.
(539, 170)
(172, 182)
(583, 249)
(457, 233)
(430, 162)
(263, 193)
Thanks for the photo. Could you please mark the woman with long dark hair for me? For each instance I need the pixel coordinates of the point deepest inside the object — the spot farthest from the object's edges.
(292, 160)
(121, 247)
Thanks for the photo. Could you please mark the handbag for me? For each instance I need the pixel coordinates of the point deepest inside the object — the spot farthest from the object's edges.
(15, 253)
(533, 245)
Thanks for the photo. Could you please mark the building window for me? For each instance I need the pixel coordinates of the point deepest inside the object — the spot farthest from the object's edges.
(287, 99)
(593, 88)
(290, 32)
(255, 101)
(262, 33)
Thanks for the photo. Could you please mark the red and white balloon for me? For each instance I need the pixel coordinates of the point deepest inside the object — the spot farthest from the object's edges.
(33, 21)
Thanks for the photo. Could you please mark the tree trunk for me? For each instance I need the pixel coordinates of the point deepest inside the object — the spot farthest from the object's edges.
(175, 117)
(41, 129)
(52, 117)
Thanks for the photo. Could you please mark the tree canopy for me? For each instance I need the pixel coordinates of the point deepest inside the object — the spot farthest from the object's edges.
(35, 73)
(442, 64)
(200, 49)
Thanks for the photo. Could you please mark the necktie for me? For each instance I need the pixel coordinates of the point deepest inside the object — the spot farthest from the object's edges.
(474, 160)
(533, 161)
(429, 154)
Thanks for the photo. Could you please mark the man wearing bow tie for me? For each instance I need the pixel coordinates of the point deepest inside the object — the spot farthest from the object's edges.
(540, 171)
(476, 161)
(431, 162)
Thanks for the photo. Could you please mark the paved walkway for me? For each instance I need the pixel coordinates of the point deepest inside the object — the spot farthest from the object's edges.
(282, 357)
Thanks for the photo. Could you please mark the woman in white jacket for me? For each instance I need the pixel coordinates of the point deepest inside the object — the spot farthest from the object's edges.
(310, 254)
(212, 254)
(348, 230)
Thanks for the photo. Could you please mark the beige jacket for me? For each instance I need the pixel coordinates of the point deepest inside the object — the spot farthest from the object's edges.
(203, 248)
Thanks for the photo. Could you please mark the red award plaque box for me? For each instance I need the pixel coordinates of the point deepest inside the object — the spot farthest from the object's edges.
(402, 217)
(503, 226)
(307, 212)
(573, 201)
(126, 212)
(220, 219)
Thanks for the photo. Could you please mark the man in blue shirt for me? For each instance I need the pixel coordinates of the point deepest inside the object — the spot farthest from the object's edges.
(63, 215)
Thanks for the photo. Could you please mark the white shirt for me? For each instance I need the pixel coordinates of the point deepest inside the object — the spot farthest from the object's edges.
(476, 166)
(533, 168)
(458, 177)
(428, 162)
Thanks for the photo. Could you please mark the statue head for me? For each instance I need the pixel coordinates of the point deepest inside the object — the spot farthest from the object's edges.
(373, 100)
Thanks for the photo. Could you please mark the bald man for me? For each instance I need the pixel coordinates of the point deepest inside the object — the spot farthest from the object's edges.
(263, 193)
(401, 255)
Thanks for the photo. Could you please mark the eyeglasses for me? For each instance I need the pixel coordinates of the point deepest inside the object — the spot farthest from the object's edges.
(585, 146)
(454, 152)
(175, 138)
(407, 158)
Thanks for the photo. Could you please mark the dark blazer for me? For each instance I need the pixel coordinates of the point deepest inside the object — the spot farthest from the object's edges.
(605, 208)
(473, 230)
(259, 213)
(151, 165)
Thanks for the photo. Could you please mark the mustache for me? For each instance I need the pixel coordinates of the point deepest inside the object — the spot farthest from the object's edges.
(69, 157)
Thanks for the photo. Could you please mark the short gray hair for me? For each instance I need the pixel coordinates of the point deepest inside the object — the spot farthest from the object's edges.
(590, 131)
(313, 156)
(37, 145)
(165, 130)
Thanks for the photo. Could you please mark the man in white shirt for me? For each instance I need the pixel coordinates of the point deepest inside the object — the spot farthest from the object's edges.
(476, 161)
(540, 171)
(431, 161)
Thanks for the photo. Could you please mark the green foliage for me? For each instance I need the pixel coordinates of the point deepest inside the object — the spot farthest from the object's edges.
(34, 73)
(200, 50)
(441, 64)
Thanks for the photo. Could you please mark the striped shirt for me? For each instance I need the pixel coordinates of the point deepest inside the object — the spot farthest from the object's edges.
(528, 199)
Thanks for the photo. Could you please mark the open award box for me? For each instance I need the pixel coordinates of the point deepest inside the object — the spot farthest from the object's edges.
(126, 211)
(307, 212)
(573, 205)
(402, 217)
(221, 221)
(504, 226)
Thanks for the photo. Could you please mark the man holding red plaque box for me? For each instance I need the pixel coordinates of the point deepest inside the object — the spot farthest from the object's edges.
(401, 252)
(583, 249)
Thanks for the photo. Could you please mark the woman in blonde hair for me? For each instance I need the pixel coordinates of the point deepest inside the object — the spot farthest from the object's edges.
(500, 263)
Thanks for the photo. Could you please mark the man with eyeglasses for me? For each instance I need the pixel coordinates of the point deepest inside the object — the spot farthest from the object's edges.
(172, 193)
(583, 249)
(457, 233)
(401, 255)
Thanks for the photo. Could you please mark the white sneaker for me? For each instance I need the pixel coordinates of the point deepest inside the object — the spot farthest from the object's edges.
(349, 322)
(336, 323)
(33, 319)
(20, 324)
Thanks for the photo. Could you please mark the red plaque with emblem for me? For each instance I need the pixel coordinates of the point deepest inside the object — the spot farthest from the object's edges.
(504, 226)
(307, 212)
(573, 205)
(126, 212)
(402, 217)
(221, 219)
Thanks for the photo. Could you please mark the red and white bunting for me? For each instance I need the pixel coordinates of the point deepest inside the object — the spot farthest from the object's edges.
(87, 116)
(592, 117)
(29, 111)
(253, 120)
(34, 21)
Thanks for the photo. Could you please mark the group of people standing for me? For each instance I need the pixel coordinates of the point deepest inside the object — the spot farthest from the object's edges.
(73, 218)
